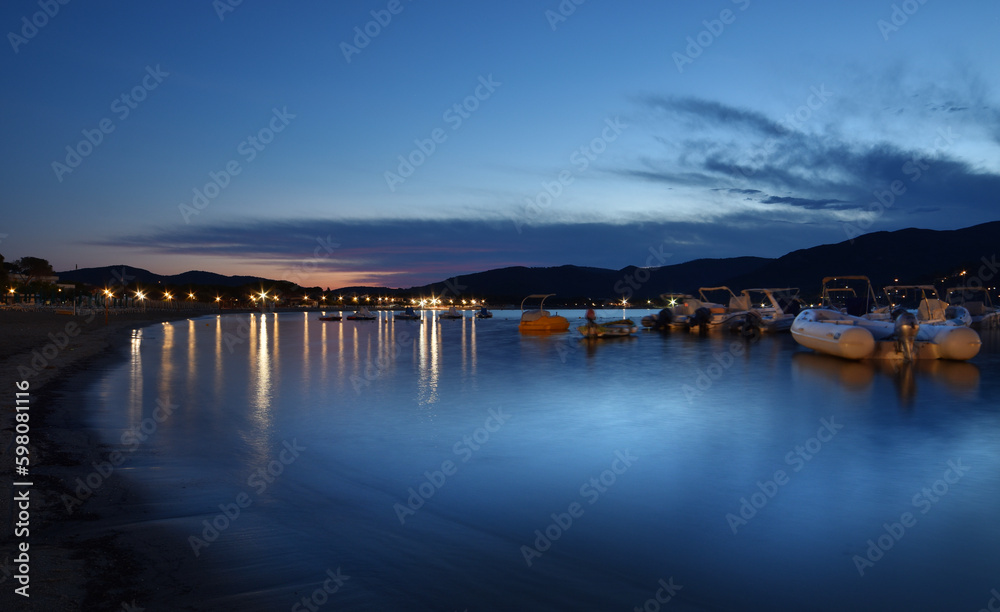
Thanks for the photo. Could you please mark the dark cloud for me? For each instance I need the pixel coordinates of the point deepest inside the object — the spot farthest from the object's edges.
(809, 204)
(824, 173)
(716, 112)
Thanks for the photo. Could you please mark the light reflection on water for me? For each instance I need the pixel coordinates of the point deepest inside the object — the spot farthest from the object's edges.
(379, 405)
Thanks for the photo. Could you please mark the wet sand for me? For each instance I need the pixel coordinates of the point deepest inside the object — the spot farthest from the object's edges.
(96, 556)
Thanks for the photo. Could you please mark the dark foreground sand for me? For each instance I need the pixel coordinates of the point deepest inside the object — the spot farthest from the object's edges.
(79, 560)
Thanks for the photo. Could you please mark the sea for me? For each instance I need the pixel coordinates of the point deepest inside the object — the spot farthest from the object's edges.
(289, 463)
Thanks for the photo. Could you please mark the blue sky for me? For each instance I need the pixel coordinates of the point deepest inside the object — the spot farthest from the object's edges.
(247, 143)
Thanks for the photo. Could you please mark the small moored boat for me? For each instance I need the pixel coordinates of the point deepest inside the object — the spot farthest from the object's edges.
(923, 302)
(451, 313)
(484, 314)
(407, 315)
(977, 301)
(610, 329)
(851, 337)
(541, 320)
(663, 320)
(362, 314)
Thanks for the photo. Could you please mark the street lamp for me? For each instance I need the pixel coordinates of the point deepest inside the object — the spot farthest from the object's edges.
(107, 294)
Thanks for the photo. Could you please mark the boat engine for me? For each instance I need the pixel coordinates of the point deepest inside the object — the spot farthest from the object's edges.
(700, 317)
(750, 327)
(664, 319)
(906, 332)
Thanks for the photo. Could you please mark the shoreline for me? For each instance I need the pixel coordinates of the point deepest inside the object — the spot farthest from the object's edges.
(83, 559)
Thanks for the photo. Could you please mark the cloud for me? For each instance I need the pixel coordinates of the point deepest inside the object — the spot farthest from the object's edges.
(710, 111)
(405, 253)
(808, 203)
(827, 172)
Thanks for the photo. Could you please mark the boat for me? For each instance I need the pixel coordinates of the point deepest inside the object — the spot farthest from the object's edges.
(362, 314)
(704, 314)
(923, 302)
(407, 315)
(541, 320)
(484, 314)
(335, 317)
(778, 309)
(851, 337)
(853, 295)
(610, 329)
(664, 319)
(451, 313)
(976, 300)
(737, 313)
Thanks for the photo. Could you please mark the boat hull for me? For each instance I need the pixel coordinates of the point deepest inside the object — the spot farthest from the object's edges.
(608, 330)
(552, 323)
(849, 342)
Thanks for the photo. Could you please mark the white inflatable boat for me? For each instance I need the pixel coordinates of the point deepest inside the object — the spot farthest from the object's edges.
(850, 337)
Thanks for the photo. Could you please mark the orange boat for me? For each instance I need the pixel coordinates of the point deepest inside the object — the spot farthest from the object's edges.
(541, 320)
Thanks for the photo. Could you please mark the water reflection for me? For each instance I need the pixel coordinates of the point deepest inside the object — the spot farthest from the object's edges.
(135, 377)
(260, 386)
(429, 355)
(959, 377)
(218, 378)
(167, 365)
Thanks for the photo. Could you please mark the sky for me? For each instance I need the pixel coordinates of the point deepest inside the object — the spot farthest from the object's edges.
(400, 142)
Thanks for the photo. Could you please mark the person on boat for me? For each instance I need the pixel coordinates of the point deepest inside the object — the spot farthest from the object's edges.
(591, 317)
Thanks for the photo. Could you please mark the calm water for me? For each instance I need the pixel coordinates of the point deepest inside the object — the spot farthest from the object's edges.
(420, 458)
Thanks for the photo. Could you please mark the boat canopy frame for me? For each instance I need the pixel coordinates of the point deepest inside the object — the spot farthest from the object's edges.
(871, 302)
(541, 306)
(771, 294)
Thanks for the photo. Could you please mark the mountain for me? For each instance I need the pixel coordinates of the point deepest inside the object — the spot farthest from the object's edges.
(914, 256)
(567, 282)
(910, 255)
(116, 275)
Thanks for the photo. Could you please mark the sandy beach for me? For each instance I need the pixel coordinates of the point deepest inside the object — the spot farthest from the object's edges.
(78, 559)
